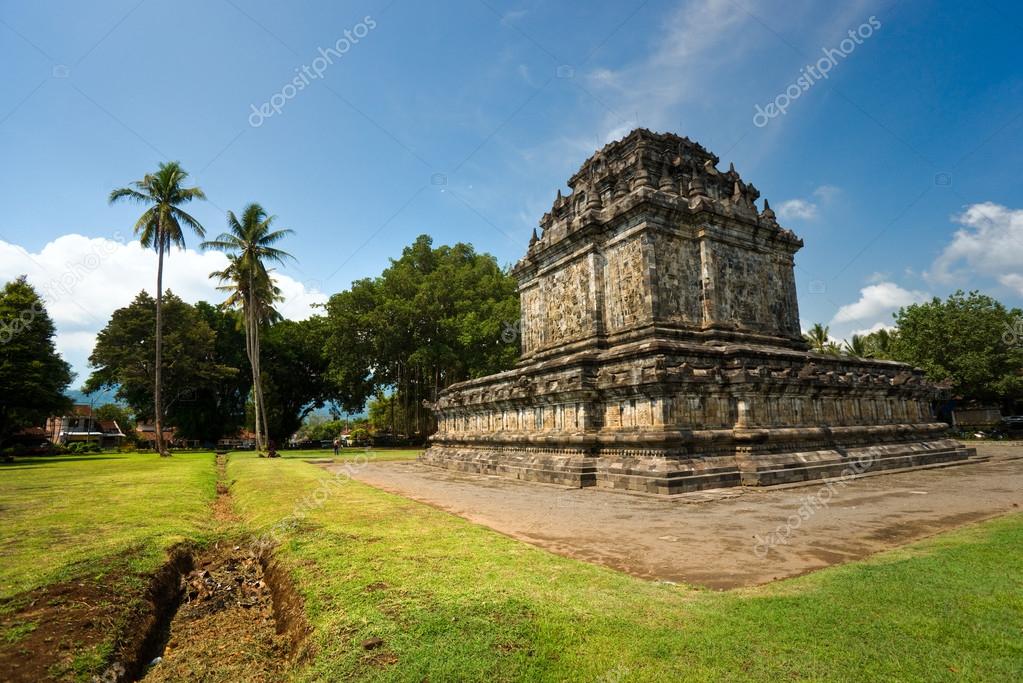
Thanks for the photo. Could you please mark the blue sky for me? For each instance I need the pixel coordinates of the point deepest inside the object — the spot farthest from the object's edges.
(900, 170)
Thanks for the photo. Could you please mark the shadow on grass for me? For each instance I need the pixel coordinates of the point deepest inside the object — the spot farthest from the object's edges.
(33, 462)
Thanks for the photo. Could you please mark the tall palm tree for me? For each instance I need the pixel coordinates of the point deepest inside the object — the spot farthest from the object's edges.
(249, 243)
(257, 308)
(817, 338)
(159, 227)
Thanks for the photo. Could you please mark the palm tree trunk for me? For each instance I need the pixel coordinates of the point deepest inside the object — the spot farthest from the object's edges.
(259, 384)
(158, 369)
(250, 349)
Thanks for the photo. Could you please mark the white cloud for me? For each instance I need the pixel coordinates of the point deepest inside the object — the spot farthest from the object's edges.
(1013, 281)
(804, 209)
(878, 300)
(990, 243)
(797, 209)
(826, 193)
(84, 279)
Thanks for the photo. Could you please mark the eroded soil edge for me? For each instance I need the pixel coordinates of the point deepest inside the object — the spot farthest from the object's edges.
(241, 617)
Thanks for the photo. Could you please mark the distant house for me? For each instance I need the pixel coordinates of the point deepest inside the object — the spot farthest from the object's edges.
(146, 435)
(241, 441)
(81, 426)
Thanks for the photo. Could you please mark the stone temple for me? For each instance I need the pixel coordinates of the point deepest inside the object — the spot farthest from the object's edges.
(662, 351)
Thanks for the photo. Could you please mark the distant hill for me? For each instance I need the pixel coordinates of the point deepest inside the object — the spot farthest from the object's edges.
(97, 398)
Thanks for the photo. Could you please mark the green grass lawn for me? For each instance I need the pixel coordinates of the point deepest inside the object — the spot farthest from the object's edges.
(66, 515)
(375, 454)
(456, 601)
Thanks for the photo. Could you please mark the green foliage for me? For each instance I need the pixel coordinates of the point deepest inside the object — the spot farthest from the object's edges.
(385, 412)
(33, 377)
(317, 428)
(294, 374)
(878, 344)
(123, 358)
(435, 316)
(856, 346)
(159, 226)
(817, 338)
(963, 339)
(81, 447)
(217, 409)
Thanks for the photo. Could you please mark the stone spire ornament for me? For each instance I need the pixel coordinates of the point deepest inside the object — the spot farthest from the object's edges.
(667, 181)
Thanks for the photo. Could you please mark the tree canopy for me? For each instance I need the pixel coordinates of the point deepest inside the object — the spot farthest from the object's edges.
(295, 374)
(33, 376)
(963, 339)
(433, 317)
(123, 358)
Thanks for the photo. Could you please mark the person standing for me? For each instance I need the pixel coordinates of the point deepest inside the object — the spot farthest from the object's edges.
(337, 446)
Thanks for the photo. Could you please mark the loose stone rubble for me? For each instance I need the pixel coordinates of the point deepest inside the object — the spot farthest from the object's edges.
(662, 352)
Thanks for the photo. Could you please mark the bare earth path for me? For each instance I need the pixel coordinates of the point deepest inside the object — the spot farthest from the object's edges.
(725, 538)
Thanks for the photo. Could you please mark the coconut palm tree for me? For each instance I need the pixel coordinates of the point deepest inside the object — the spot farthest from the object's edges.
(857, 346)
(249, 243)
(880, 343)
(160, 227)
(260, 304)
(817, 338)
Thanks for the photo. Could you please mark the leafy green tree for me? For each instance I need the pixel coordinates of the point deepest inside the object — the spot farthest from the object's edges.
(435, 316)
(965, 339)
(33, 376)
(123, 357)
(322, 430)
(295, 374)
(218, 409)
(250, 242)
(384, 412)
(159, 227)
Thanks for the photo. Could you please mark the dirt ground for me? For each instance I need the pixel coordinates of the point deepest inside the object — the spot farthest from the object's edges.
(728, 537)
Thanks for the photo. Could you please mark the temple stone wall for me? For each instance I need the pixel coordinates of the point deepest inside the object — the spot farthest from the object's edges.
(662, 350)
(679, 281)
